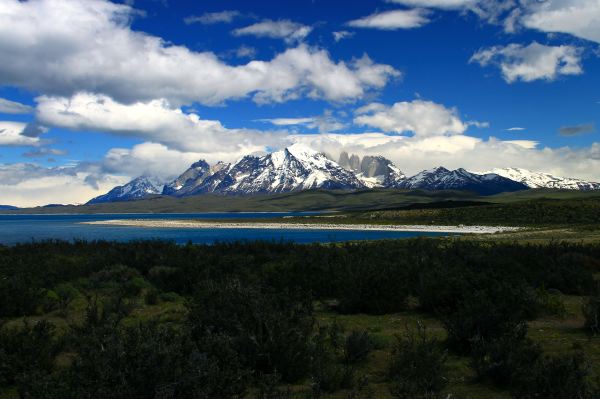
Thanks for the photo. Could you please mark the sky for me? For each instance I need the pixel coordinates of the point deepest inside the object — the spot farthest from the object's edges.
(94, 93)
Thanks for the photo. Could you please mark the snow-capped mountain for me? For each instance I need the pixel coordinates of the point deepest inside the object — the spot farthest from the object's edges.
(186, 181)
(441, 178)
(544, 180)
(136, 189)
(291, 169)
(300, 168)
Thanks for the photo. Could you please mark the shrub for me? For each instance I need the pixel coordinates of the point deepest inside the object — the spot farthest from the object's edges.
(558, 377)
(591, 312)
(169, 297)
(357, 347)
(549, 303)
(417, 365)
(504, 360)
(151, 297)
(25, 351)
(270, 331)
(327, 373)
(118, 273)
(488, 313)
(142, 361)
(134, 286)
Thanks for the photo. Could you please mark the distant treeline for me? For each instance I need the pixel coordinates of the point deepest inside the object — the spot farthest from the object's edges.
(539, 212)
(249, 325)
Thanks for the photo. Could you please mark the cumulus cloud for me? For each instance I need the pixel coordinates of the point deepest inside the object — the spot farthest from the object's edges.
(423, 118)
(43, 152)
(442, 4)
(289, 31)
(11, 134)
(63, 47)
(154, 121)
(13, 107)
(324, 124)
(150, 159)
(413, 154)
(27, 184)
(211, 18)
(533, 62)
(341, 35)
(580, 18)
(393, 20)
(576, 130)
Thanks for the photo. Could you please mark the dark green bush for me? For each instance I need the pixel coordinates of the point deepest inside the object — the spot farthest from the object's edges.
(328, 373)
(504, 360)
(26, 350)
(557, 377)
(270, 331)
(373, 287)
(151, 297)
(488, 312)
(417, 366)
(357, 347)
(591, 313)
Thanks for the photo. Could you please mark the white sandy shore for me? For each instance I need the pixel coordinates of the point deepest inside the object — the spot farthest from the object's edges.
(197, 224)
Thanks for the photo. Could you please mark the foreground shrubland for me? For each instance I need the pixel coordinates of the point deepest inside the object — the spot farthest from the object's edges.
(416, 318)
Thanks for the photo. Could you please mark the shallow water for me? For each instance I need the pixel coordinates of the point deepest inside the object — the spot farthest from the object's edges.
(24, 228)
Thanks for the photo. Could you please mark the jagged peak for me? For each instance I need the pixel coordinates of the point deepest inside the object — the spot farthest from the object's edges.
(200, 164)
(300, 150)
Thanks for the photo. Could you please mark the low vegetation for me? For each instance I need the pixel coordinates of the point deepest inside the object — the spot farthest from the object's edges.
(418, 318)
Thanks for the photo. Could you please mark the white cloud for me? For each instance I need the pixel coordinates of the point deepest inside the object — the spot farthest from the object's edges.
(245, 52)
(515, 129)
(63, 47)
(341, 35)
(442, 4)
(580, 18)
(392, 20)
(43, 152)
(413, 154)
(211, 18)
(25, 184)
(533, 62)
(11, 134)
(151, 159)
(324, 124)
(423, 118)
(288, 121)
(290, 32)
(153, 121)
(13, 107)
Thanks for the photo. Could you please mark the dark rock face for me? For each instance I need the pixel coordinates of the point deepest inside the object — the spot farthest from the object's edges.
(187, 181)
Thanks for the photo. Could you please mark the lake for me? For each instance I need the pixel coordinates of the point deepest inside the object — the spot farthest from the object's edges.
(23, 228)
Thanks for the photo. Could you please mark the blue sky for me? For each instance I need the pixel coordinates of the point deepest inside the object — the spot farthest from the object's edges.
(94, 93)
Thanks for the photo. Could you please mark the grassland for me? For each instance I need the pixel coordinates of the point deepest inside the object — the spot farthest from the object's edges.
(313, 200)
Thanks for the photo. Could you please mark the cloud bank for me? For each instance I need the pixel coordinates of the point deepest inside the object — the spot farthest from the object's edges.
(61, 47)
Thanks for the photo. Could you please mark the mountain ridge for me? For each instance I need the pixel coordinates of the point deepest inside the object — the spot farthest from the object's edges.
(299, 167)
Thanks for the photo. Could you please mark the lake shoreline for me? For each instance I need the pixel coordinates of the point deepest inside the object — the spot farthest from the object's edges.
(196, 224)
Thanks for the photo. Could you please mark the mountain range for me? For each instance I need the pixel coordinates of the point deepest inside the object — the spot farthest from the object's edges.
(299, 167)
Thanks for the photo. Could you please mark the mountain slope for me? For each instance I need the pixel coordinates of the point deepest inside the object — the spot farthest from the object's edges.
(291, 169)
(377, 171)
(136, 189)
(544, 180)
(188, 179)
(441, 178)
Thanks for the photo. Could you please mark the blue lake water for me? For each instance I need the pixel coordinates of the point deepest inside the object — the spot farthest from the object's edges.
(24, 228)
